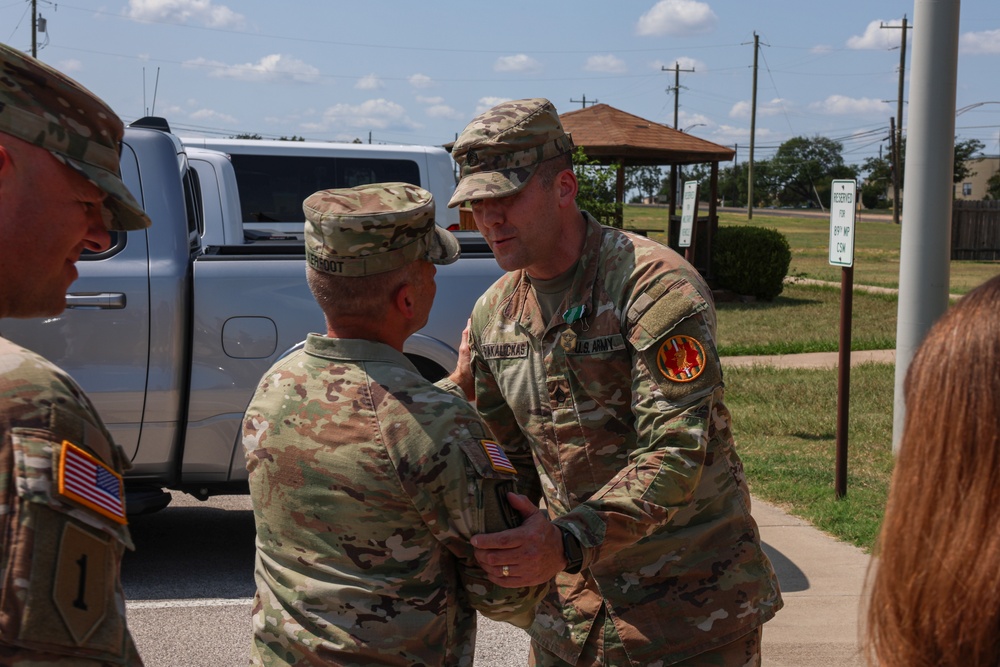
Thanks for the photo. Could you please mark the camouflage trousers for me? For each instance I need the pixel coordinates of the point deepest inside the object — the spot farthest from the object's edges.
(604, 649)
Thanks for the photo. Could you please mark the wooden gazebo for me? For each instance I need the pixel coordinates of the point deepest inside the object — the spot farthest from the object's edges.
(612, 136)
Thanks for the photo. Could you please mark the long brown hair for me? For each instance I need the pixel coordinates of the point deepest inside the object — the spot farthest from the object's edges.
(935, 591)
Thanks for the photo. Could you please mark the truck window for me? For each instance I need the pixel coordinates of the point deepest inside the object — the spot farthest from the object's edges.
(273, 187)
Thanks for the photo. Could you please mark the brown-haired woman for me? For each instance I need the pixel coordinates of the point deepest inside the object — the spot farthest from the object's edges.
(935, 593)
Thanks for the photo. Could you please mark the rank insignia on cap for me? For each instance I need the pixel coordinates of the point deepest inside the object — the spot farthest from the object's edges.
(84, 479)
(681, 358)
(498, 459)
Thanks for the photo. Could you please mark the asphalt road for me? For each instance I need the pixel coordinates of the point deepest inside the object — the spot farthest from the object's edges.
(189, 586)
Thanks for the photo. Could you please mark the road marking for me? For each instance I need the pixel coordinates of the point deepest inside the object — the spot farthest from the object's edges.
(180, 604)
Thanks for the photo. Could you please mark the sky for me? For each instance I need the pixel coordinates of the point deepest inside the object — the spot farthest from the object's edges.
(408, 72)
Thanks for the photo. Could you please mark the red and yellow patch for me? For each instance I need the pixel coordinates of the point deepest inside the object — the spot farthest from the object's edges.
(681, 358)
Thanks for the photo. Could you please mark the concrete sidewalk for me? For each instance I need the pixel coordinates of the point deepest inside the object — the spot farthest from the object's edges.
(822, 583)
(812, 359)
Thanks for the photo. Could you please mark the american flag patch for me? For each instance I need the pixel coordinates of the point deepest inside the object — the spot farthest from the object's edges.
(498, 459)
(91, 483)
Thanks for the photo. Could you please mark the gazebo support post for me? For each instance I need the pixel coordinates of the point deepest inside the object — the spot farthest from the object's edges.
(620, 197)
(713, 218)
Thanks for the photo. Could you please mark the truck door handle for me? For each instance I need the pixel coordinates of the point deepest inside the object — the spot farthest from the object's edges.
(101, 301)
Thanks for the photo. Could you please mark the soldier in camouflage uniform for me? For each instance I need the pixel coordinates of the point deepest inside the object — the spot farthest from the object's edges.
(595, 364)
(367, 480)
(62, 505)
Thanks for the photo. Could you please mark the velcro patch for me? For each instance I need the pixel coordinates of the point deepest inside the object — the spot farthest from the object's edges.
(498, 459)
(86, 480)
(681, 358)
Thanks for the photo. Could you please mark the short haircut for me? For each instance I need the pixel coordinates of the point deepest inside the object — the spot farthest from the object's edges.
(548, 170)
(357, 296)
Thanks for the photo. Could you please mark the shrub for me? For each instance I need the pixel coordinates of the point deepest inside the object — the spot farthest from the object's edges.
(751, 261)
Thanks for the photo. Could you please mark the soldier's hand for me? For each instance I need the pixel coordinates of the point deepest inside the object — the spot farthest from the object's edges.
(462, 375)
(528, 555)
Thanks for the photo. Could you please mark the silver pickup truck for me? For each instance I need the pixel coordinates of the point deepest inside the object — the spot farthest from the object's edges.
(169, 337)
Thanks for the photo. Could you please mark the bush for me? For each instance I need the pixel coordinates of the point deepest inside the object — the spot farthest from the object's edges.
(751, 261)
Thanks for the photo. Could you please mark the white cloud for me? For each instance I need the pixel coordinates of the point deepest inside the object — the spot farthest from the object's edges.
(876, 37)
(185, 11)
(370, 82)
(742, 109)
(676, 17)
(212, 115)
(486, 103)
(840, 105)
(821, 49)
(71, 65)
(985, 42)
(684, 61)
(430, 100)
(421, 81)
(378, 114)
(273, 68)
(518, 63)
(729, 134)
(688, 120)
(609, 63)
(443, 111)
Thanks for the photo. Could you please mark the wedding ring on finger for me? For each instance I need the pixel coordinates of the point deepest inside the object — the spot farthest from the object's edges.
(505, 571)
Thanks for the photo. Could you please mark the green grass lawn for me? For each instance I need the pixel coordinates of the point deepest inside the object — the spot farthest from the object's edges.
(805, 318)
(785, 419)
(876, 247)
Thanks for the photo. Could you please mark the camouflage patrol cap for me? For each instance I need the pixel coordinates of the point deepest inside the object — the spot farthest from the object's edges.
(48, 109)
(374, 228)
(500, 149)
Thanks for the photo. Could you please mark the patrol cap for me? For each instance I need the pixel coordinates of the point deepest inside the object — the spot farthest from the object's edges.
(374, 228)
(500, 149)
(48, 109)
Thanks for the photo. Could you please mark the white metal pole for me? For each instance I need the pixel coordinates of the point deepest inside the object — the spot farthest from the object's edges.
(925, 249)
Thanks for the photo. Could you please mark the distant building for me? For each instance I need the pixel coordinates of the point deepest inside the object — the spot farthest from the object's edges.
(974, 186)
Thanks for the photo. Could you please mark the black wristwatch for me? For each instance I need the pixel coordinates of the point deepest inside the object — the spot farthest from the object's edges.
(572, 550)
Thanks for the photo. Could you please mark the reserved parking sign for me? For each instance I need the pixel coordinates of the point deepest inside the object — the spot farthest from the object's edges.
(843, 205)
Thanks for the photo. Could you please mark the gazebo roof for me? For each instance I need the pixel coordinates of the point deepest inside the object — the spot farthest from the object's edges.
(611, 135)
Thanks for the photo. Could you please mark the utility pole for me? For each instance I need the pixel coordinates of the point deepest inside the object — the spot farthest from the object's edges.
(899, 112)
(584, 101)
(34, 28)
(753, 127)
(897, 167)
(676, 69)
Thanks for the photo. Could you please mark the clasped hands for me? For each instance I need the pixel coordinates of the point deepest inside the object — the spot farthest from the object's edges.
(528, 555)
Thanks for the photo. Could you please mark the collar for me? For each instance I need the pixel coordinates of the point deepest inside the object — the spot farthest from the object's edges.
(355, 349)
(580, 303)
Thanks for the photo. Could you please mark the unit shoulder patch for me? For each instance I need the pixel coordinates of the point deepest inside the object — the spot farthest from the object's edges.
(681, 358)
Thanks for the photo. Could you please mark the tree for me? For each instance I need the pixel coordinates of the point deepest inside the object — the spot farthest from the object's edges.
(802, 169)
(597, 194)
(291, 138)
(247, 135)
(963, 151)
(881, 168)
(644, 179)
(993, 187)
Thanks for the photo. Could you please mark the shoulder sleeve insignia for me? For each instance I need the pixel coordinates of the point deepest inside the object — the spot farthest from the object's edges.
(681, 358)
(498, 459)
(88, 481)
